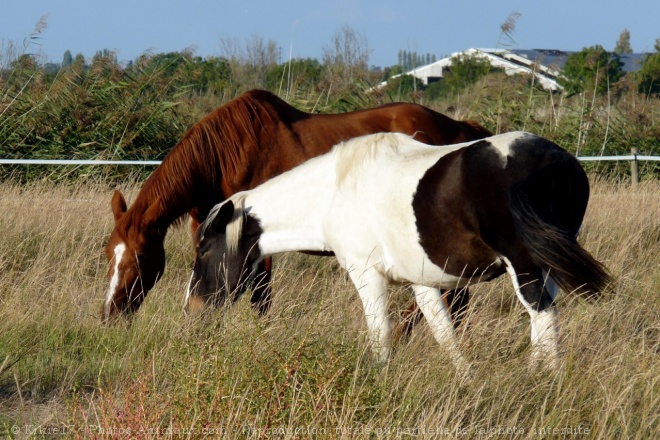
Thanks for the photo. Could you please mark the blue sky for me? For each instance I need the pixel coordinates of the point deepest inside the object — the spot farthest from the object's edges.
(304, 28)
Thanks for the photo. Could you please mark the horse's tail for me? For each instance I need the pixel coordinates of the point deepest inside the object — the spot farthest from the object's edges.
(548, 208)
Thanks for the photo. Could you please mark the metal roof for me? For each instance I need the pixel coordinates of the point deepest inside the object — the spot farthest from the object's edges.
(556, 59)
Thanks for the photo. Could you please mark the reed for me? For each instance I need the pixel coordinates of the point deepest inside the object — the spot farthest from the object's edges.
(100, 109)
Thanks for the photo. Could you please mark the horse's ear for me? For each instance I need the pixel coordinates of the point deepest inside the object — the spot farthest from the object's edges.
(223, 217)
(118, 205)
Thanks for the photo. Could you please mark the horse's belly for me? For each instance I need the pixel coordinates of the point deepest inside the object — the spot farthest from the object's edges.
(420, 270)
(429, 276)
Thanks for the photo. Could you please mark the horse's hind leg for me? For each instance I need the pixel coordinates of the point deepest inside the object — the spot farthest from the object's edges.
(537, 292)
(433, 307)
(455, 300)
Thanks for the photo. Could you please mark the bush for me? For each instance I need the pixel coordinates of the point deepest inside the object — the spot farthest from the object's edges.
(593, 68)
(649, 75)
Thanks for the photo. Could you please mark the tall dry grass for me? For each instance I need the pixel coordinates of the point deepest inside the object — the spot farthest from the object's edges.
(305, 371)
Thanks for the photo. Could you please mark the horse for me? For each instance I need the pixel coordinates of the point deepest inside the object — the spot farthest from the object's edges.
(236, 147)
(394, 210)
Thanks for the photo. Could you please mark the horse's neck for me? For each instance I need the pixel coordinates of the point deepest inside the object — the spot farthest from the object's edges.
(291, 208)
(172, 199)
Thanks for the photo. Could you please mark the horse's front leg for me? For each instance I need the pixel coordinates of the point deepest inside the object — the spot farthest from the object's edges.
(194, 304)
(262, 290)
(372, 288)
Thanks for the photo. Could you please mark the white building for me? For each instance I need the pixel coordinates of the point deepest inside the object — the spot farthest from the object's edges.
(544, 64)
(510, 62)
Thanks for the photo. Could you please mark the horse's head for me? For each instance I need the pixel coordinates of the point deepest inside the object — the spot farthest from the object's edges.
(136, 255)
(227, 255)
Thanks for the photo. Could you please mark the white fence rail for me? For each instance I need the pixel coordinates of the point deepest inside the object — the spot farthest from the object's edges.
(158, 162)
(633, 159)
(617, 158)
(76, 162)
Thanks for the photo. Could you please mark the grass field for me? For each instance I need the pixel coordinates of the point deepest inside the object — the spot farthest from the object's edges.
(306, 371)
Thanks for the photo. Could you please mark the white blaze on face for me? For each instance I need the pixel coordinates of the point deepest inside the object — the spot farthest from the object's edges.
(188, 294)
(114, 281)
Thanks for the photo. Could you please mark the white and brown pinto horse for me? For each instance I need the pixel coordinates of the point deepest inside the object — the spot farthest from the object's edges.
(396, 210)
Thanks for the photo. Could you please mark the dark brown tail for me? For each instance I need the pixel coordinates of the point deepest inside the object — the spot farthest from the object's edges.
(548, 209)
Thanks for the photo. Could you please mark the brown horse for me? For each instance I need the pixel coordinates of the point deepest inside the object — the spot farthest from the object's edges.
(237, 147)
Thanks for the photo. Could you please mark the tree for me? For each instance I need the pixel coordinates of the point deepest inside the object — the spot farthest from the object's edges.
(623, 44)
(403, 86)
(67, 60)
(295, 74)
(211, 74)
(412, 60)
(648, 77)
(105, 55)
(250, 62)
(79, 61)
(465, 70)
(346, 59)
(26, 62)
(592, 68)
(166, 64)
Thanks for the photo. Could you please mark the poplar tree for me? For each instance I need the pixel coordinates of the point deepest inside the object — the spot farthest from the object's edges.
(623, 44)
(67, 60)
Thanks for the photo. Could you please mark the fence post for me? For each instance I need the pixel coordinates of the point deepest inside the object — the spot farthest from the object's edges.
(634, 168)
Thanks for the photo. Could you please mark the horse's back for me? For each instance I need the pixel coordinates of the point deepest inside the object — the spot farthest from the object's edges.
(482, 174)
(371, 218)
(427, 125)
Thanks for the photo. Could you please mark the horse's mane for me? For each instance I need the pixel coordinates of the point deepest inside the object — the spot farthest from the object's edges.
(215, 148)
(235, 225)
(351, 155)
